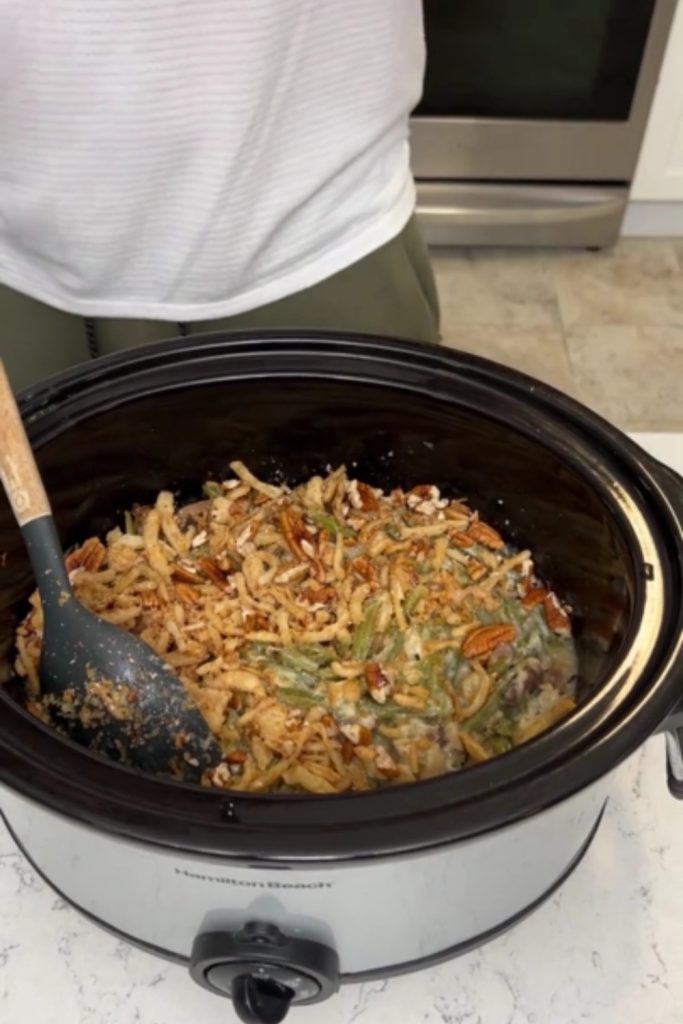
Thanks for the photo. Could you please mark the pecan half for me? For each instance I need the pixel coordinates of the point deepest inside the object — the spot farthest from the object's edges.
(462, 539)
(294, 532)
(185, 575)
(210, 569)
(556, 615)
(186, 593)
(536, 595)
(484, 534)
(481, 640)
(475, 570)
(456, 510)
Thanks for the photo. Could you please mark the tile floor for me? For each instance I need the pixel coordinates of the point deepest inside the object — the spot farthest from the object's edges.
(606, 327)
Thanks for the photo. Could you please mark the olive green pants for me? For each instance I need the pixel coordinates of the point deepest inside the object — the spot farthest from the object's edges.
(391, 291)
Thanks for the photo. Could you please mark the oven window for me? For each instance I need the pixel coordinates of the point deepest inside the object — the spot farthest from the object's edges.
(557, 59)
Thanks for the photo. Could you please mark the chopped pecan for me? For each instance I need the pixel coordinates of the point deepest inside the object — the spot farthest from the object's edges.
(255, 621)
(368, 498)
(557, 617)
(319, 595)
(330, 724)
(386, 764)
(357, 734)
(347, 751)
(481, 640)
(364, 568)
(484, 534)
(236, 757)
(150, 599)
(90, 556)
(379, 684)
(365, 735)
(351, 731)
(425, 499)
(422, 493)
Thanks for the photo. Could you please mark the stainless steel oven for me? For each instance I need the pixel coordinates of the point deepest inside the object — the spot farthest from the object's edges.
(532, 117)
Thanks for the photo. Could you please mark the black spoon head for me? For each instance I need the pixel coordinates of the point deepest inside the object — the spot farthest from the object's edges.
(109, 691)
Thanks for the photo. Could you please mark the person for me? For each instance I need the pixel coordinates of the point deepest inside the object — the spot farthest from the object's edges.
(196, 165)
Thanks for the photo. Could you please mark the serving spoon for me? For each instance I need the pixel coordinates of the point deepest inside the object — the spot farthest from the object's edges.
(106, 688)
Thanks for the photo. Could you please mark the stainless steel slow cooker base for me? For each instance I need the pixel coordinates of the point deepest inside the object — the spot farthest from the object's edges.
(357, 977)
(379, 914)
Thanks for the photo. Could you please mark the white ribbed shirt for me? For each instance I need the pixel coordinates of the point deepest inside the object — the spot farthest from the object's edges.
(190, 159)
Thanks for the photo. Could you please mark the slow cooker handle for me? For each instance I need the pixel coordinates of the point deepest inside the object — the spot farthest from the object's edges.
(260, 1002)
(672, 485)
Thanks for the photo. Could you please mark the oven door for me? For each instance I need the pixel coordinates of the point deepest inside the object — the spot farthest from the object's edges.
(539, 97)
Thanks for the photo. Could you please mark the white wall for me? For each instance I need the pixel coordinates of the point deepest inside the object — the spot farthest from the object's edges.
(659, 176)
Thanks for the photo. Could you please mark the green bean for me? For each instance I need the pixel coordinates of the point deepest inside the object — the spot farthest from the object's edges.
(482, 716)
(432, 671)
(129, 522)
(364, 634)
(387, 712)
(413, 599)
(492, 705)
(452, 660)
(297, 660)
(393, 530)
(324, 521)
(256, 653)
(393, 647)
(299, 698)
(211, 489)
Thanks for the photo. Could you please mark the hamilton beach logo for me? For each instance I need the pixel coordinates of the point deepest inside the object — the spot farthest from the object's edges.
(253, 884)
(10, 477)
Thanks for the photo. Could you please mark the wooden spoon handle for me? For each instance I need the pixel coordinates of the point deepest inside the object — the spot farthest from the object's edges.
(18, 470)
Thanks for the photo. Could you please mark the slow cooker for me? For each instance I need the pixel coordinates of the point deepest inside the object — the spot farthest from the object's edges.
(274, 900)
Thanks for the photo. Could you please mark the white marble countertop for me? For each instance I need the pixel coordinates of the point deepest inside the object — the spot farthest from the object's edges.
(607, 948)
